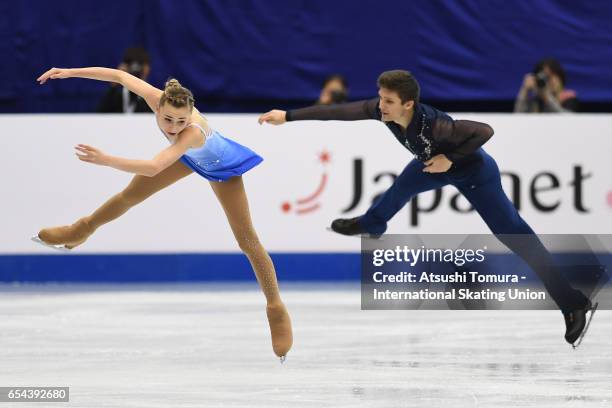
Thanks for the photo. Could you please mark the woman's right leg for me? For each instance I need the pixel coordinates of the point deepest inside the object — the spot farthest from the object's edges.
(139, 189)
(232, 196)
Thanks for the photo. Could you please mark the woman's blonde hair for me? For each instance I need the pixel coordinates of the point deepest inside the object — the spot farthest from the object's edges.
(176, 95)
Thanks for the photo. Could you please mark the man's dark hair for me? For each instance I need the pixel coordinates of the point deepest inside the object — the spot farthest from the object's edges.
(136, 54)
(335, 77)
(402, 82)
(554, 66)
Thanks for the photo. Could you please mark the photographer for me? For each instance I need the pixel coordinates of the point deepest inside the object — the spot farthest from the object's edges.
(544, 90)
(334, 90)
(119, 99)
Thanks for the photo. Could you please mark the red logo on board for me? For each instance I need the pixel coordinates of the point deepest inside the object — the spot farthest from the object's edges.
(309, 203)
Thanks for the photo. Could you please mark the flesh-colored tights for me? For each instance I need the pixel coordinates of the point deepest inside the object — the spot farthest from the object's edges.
(232, 196)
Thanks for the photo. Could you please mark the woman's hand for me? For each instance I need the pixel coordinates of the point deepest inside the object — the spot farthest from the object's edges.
(438, 164)
(54, 73)
(90, 154)
(275, 117)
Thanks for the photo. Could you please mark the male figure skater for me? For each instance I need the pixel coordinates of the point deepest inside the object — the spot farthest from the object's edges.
(446, 151)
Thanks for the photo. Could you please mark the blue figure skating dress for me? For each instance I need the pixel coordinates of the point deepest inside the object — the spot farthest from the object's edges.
(219, 158)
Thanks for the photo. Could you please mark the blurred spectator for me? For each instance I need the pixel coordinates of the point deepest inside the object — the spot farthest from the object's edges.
(334, 90)
(543, 90)
(118, 99)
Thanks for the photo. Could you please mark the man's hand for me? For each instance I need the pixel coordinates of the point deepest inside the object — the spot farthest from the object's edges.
(529, 83)
(438, 164)
(275, 117)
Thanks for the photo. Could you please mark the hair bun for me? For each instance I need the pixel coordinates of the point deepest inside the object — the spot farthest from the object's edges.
(177, 95)
(172, 84)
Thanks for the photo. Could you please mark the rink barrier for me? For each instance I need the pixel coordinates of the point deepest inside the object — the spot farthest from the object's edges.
(191, 267)
(207, 267)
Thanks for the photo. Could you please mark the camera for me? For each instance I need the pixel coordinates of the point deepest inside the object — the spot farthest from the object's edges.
(541, 80)
(135, 68)
(338, 96)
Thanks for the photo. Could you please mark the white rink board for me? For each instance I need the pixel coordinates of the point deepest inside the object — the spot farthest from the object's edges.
(44, 184)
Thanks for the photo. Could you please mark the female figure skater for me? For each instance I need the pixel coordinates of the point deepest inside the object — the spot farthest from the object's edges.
(194, 147)
(446, 151)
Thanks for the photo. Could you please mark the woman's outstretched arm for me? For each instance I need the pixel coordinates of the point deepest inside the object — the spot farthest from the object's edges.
(136, 85)
(150, 168)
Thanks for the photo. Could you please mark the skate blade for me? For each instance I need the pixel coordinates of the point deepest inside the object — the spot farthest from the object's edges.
(283, 359)
(586, 327)
(59, 247)
(365, 236)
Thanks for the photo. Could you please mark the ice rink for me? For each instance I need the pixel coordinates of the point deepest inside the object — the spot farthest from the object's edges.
(209, 346)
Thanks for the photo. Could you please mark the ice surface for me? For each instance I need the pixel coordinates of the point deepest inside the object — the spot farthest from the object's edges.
(209, 346)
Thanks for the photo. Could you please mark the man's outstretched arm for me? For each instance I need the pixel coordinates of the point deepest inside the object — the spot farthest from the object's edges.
(360, 110)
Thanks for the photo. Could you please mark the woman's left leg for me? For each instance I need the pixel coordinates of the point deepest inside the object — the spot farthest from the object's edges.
(232, 196)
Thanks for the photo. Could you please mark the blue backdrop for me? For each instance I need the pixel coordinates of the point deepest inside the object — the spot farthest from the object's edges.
(273, 51)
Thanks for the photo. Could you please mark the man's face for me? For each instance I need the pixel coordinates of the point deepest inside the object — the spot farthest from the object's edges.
(391, 105)
(137, 69)
(335, 85)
